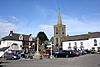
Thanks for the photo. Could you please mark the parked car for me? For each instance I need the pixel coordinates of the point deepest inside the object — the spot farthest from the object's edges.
(45, 53)
(82, 52)
(75, 53)
(11, 56)
(72, 53)
(93, 52)
(60, 54)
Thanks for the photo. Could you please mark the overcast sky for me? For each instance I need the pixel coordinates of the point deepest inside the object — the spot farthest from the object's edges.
(32, 16)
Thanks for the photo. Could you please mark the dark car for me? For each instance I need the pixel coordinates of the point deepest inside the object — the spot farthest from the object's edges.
(82, 52)
(72, 53)
(61, 54)
(11, 56)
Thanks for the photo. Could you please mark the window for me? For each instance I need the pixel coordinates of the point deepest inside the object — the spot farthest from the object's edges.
(75, 47)
(56, 32)
(57, 45)
(69, 47)
(81, 46)
(81, 43)
(15, 46)
(56, 40)
(75, 43)
(69, 44)
(20, 45)
(95, 42)
(20, 37)
(30, 38)
(61, 44)
(62, 32)
(56, 29)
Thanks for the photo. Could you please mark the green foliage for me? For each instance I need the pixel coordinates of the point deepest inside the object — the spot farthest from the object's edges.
(42, 37)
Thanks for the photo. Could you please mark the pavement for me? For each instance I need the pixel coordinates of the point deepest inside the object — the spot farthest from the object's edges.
(89, 60)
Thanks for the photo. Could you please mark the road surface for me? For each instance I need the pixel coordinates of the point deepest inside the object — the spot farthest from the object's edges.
(89, 60)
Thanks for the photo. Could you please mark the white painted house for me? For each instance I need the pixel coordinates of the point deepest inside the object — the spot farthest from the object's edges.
(16, 41)
(85, 41)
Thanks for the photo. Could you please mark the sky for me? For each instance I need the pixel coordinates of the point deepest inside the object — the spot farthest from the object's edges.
(33, 16)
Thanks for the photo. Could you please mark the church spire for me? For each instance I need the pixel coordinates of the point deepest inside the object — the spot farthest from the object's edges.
(59, 17)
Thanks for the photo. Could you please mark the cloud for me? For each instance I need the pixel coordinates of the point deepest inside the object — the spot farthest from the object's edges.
(80, 26)
(14, 17)
(5, 27)
(46, 27)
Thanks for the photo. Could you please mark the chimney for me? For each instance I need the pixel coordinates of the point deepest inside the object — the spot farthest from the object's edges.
(30, 34)
(11, 32)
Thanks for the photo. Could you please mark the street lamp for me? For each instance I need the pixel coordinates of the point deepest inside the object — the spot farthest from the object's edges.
(51, 56)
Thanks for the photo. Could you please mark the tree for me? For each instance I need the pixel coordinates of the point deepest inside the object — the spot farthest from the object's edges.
(42, 37)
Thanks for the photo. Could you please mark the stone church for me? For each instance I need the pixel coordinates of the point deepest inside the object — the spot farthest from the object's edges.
(62, 41)
(59, 32)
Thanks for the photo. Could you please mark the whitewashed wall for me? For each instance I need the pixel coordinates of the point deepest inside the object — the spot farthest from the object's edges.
(91, 42)
(9, 43)
(88, 44)
(66, 44)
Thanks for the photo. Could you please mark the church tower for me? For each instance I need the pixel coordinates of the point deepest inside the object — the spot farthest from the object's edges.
(59, 32)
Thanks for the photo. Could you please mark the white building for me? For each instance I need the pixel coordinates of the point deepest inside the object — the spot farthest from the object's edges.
(16, 41)
(85, 41)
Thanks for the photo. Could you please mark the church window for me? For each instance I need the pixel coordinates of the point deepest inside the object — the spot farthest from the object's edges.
(95, 42)
(57, 45)
(57, 40)
(56, 29)
(61, 44)
(56, 32)
(62, 32)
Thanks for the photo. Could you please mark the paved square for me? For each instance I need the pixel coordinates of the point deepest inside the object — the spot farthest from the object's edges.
(82, 61)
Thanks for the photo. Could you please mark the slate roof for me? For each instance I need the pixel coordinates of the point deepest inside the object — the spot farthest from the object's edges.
(15, 36)
(82, 36)
(4, 48)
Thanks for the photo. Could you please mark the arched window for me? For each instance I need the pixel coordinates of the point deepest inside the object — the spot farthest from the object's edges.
(95, 42)
(14, 46)
(57, 40)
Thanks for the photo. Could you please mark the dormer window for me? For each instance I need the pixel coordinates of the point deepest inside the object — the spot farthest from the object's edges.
(30, 38)
(20, 37)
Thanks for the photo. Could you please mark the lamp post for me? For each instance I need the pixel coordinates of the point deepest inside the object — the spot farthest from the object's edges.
(51, 56)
